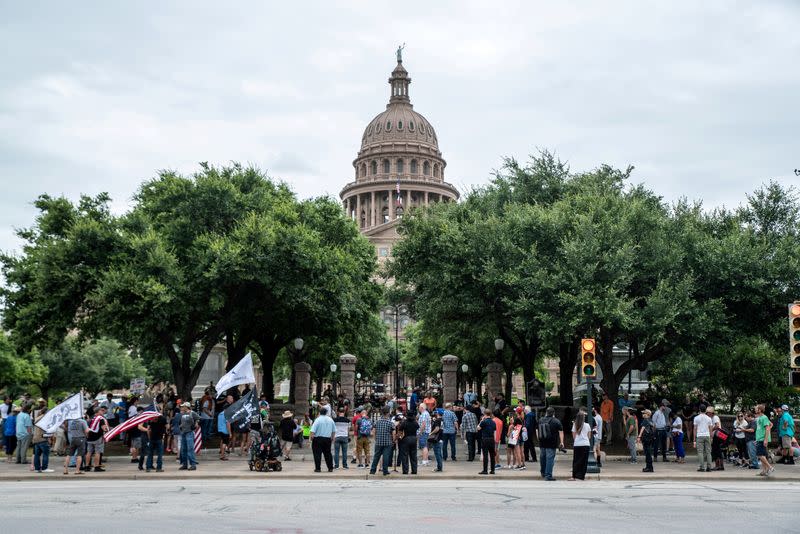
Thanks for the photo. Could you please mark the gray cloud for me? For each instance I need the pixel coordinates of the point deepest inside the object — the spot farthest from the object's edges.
(700, 97)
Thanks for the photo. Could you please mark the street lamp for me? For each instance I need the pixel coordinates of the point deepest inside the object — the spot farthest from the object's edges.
(498, 348)
(295, 354)
(298, 344)
(464, 369)
(333, 379)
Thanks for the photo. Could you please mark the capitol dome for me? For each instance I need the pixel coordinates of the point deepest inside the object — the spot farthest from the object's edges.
(398, 168)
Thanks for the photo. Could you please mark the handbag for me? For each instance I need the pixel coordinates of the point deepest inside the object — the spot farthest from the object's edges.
(639, 446)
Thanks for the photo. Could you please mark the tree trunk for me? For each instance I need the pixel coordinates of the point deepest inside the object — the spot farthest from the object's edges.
(509, 371)
(567, 358)
(269, 349)
(318, 382)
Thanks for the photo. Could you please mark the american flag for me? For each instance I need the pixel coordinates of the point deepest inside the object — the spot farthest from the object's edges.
(148, 415)
(198, 440)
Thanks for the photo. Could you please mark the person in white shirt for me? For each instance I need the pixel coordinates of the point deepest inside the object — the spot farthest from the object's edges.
(580, 446)
(598, 434)
(702, 439)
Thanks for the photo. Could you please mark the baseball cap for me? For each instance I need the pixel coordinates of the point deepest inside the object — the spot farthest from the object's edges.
(785, 407)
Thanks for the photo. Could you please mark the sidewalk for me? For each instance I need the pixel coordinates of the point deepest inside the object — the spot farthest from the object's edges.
(301, 467)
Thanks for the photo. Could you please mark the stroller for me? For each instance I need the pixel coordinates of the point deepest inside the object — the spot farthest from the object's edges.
(264, 454)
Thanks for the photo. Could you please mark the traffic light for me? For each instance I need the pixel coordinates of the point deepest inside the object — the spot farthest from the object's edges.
(794, 335)
(588, 363)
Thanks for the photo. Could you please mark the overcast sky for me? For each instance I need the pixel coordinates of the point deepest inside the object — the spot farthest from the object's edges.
(701, 97)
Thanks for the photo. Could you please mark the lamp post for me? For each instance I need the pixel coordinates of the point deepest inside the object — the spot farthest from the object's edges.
(499, 344)
(333, 379)
(358, 384)
(295, 352)
(399, 310)
(464, 370)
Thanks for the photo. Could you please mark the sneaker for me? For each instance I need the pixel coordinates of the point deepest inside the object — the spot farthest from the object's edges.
(770, 471)
(38, 470)
(361, 466)
(193, 468)
(48, 471)
(182, 468)
(159, 470)
(550, 479)
(148, 470)
(483, 473)
(99, 470)
(437, 471)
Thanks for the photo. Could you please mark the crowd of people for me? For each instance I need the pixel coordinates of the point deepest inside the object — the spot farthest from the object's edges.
(403, 432)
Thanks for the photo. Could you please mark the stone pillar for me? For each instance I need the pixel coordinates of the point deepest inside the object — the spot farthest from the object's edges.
(391, 205)
(358, 210)
(449, 378)
(426, 198)
(408, 199)
(302, 388)
(494, 382)
(347, 363)
(372, 209)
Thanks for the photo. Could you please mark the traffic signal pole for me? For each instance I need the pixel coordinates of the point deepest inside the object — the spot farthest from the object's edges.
(592, 466)
(589, 370)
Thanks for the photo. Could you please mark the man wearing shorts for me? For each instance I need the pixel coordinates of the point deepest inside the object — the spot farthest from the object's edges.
(76, 435)
(95, 443)
(786, 434)
(424, 421)
(763, 430)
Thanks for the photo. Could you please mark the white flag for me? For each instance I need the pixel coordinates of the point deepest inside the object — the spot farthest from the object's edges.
(72, 408)
(242, 373)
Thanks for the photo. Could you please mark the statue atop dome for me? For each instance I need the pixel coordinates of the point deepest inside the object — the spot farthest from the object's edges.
(400, 53)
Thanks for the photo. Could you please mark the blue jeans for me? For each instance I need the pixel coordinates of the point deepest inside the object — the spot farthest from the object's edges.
(751, 452)
(41, 456)
(437, 452)
(187, 449)
(383, 452)
(340, 444)
(157, 447)
(205, 427)
(547, 459)
(451, 439)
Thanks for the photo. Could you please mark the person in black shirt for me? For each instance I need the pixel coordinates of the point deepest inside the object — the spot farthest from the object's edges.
(435, 440)
(408, 445)
(487, 429)
(156, 430)
(286, 431)
(551, 435)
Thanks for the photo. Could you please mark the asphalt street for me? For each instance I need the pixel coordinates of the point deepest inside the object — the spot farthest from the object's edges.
(296, 506)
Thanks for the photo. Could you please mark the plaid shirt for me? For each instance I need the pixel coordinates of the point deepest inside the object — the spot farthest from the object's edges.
(383, 432)
(449, 421)
(469, 423)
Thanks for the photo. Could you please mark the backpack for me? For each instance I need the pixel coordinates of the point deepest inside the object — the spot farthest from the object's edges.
(364, 426)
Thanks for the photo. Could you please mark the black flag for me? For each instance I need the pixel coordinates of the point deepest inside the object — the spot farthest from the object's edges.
(243, 410)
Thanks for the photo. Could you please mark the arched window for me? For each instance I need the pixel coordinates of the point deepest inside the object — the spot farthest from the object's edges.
(411, 125)
(400, 166)
(388, 126)
(386, 166)
(413, 166)
(435, 170)
(385, 214)
(363, 219)
(363, 169)
(426, 168)
(374, 169)
(399, 125)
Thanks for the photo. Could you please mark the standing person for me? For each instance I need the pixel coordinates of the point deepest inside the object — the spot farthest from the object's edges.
(111, 409)
(631, 432)
(286, 431)
(660, 422)
(551, 437)
(449, 430)
(383, 443)
(156, 431)
(750, 440)
(580, 446)
(95, 445)
(716, 440)
(786, 435)
(362, 442)
(342, 437)
(477, 410)
(189, 421)
(469, 429)
(530, 429)
(739, 435)
(407, 432)
(413, 401)
(24, 432)
(677, 438)
(607, 414)
(77, 431)
(175, 429)
(702, 439)
(224, 431)
(41, 447)
(10, 432)
(322, 433)
(469, 397)
(499, 437)
(424, 422)
(598, 434)
(488, 428)
(206, 414)
(435, 440)
(763, 431)
(647, 436)
(515, 443)
(430, 401)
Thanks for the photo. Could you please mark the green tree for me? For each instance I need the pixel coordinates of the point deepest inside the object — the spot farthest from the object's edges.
(16, 371)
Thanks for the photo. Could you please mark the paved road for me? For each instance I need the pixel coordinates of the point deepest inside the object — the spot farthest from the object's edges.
(293, 506)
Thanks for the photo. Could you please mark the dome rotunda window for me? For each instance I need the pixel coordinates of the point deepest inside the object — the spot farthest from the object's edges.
(422, 129)
(388, 126)
(411, 125)
(378, 128)
(399, 125)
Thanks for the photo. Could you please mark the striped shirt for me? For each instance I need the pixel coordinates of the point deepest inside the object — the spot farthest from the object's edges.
(383, 432)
